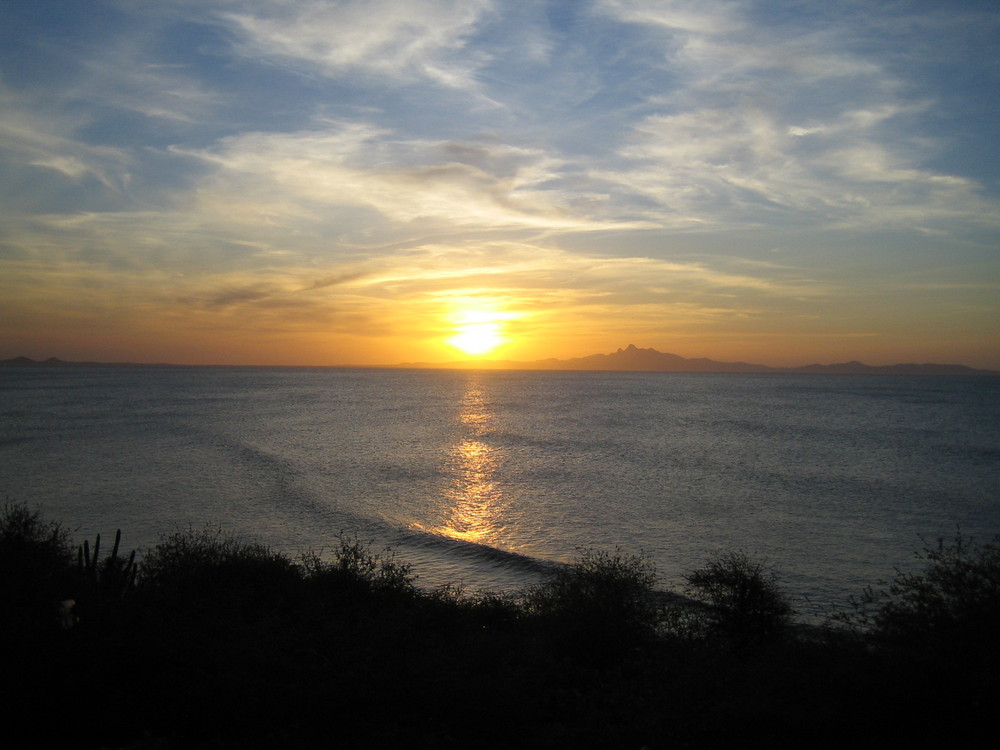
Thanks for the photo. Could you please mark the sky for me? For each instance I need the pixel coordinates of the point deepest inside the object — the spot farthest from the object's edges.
(309, 182)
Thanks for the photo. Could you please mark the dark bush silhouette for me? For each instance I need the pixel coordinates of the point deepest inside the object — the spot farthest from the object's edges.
(353, 573)
(36, 566)
(747, 604)
(222, 642)
(181, 555)
(604, 601)
(216, 576)
(950, 608)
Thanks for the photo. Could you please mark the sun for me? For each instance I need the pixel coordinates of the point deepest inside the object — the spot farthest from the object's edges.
(477, 338)
(478, 327)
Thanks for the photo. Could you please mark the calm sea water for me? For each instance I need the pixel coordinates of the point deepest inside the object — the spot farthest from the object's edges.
(487, 478)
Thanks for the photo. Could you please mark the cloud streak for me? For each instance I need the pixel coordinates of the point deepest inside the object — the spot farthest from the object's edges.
(420, 39)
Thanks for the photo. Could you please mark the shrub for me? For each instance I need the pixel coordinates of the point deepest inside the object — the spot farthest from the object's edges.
(494, 608)
(354, 572)
(212, 572)
(951, 607)
(601, 603)
(36, 560)
(747, 604)
(184, 554)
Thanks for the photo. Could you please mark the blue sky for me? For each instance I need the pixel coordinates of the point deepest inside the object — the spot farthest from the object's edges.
(355, 182)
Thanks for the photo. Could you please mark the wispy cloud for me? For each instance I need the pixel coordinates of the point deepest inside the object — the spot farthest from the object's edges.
(475, 185)
(31, 137)
(783, 124)
(410, 40)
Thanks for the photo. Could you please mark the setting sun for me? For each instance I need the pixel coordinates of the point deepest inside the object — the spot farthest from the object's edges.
(478, 326)
(477, 338)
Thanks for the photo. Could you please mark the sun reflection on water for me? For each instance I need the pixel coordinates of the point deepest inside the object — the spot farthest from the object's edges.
(477, 503)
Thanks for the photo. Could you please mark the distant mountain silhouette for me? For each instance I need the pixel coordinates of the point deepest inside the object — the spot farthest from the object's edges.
(629, 359)
(634, 359)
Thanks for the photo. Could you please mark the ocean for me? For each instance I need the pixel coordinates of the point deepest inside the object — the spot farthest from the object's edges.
(488, 479)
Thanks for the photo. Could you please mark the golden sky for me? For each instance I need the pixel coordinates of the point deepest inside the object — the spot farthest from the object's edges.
(346, 182)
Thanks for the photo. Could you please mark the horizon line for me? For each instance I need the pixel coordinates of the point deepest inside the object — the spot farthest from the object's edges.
(541, 365)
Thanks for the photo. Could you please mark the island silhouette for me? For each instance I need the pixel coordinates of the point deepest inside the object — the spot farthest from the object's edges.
(629, 359)
(635, 359)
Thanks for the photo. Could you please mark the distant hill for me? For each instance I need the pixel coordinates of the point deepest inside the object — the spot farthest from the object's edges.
(634, 359)
(629, 359)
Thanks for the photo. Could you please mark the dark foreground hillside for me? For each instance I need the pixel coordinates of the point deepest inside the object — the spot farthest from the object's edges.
(216, 642)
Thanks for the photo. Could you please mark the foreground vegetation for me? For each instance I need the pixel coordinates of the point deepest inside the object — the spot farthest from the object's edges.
(215, 642)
